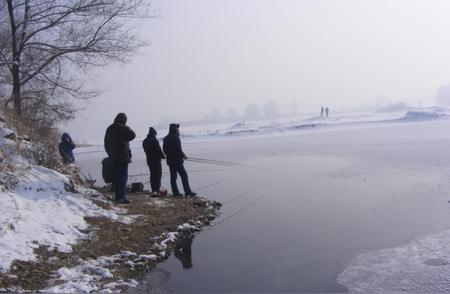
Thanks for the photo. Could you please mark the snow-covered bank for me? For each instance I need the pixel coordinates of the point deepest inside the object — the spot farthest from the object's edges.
(56, 234)
(40, 211)
(39, 206)
(119, 271)
(291, 124)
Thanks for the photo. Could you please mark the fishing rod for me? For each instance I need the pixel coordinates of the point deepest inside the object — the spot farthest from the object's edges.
(167, 173)
(138, 175)
(144, 175)
(208, 162)
(102, 150)
(205, 170)
(218, 162)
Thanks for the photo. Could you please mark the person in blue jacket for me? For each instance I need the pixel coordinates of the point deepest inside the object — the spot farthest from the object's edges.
(66, 149)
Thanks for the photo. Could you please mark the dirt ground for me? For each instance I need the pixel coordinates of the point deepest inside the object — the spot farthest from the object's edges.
(153, 217)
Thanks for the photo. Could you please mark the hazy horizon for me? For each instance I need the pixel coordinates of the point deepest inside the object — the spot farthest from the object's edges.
(216, 55)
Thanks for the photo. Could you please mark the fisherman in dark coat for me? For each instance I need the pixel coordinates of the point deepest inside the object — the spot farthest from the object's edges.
(154, 156)
(175, 161)
(66, 148)
(117, 146)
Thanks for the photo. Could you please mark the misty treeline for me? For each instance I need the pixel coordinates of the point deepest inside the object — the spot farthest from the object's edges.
(253, 111)
(49, 47)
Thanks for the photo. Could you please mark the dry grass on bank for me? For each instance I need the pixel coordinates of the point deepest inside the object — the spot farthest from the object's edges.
(154, 216)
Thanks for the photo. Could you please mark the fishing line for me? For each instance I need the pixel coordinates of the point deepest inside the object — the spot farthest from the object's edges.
(167, 173)
(209, 162)
(213, 160)
(131, 177)
(210, 185)
(219, 162)
(237, 212)
(193, 159)
(232, 199)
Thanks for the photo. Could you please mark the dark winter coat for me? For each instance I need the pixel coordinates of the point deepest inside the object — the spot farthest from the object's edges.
(152, 148)
(172, 146)
(107, 170)
(117, 140)
(66, 148)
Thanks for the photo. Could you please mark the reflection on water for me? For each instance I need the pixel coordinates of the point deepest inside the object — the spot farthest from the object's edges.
(157, 280)
(183, 252)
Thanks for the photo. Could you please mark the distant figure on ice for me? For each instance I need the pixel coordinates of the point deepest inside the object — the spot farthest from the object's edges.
(175, 161)
(154, 156)
(327, 111)
(321, 111)
(117, 146)
(66, 149)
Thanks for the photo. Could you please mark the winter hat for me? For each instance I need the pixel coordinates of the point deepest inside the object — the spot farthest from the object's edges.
(65, 136)
(121, 118)
(152, 131)
(173, 128)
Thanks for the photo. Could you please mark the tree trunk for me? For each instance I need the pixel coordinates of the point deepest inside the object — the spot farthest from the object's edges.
(16, 90)
(15, 73)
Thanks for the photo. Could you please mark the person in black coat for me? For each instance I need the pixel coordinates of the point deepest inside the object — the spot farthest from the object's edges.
(175, 160)
(66, 149)
(154, 155)
(117, 146)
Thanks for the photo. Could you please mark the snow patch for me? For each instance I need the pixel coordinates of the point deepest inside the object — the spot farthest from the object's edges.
(188, 227)
(423, 115)
(90, 275)
(86, 277)
(41, 212)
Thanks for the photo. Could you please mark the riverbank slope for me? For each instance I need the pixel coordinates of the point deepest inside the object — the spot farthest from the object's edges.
(59, 235)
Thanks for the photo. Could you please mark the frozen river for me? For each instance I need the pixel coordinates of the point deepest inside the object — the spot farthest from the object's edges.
(320, 207)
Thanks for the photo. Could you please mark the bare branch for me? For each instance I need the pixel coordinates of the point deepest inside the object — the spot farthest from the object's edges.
(51, 44)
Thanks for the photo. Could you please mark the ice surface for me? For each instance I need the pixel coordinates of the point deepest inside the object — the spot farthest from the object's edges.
(422, 266)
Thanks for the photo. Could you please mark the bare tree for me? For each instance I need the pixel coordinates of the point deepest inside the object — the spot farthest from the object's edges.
(48, 46)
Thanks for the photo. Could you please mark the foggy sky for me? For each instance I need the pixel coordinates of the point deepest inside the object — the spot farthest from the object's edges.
(209, 54)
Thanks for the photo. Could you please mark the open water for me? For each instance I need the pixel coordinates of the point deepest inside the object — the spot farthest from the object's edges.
(316, 200)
